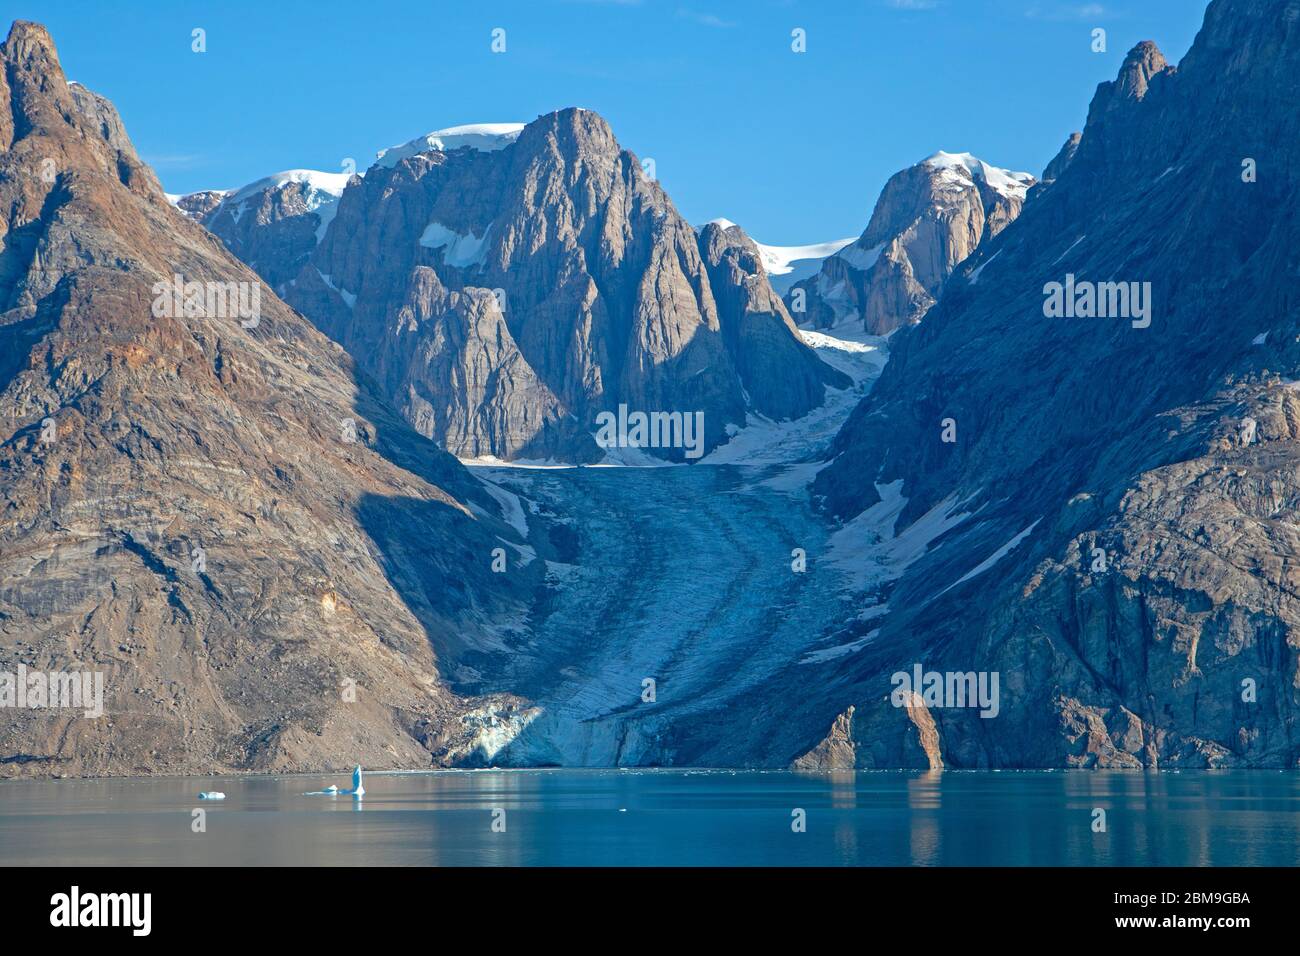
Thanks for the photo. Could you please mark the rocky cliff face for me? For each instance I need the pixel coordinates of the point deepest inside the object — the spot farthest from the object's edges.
(1062, 159)
(203, 500)
(507, 286)
(1108, 502)
(274, 224)
(199, 205)
(759, 335)
(929, 218)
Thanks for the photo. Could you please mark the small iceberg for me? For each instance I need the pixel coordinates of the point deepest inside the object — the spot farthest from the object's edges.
(212, 795)
(333, 791)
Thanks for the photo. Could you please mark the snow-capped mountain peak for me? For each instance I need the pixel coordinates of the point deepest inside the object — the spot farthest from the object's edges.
(320, 193)
(929, 218)
(318, 183)
(486, 137)
(1005, 181)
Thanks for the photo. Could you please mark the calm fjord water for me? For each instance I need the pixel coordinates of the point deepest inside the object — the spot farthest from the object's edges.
(664, 817)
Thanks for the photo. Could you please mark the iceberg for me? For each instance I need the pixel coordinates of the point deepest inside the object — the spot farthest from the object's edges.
(333, 791)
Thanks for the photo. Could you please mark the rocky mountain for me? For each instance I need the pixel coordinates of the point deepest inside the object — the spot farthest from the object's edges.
(786, 265)
(198, 205)
(1062, 159)
(204, 501)
(928, 219)
(276, 222)
(507, 285)
(1075, 481)
(759, 335)
(1097, 502)
(273, 224)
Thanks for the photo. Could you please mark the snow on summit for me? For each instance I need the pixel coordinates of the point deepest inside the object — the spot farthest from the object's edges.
(1005, 181)
(330, 184)
(482, 136)
(321, 192)
(786, 265)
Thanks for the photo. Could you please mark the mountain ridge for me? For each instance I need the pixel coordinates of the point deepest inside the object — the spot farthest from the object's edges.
(203, 506)
(1105, 468)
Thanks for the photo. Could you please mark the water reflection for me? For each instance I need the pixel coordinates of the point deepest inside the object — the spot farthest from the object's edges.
(924, 801)
(622, 817)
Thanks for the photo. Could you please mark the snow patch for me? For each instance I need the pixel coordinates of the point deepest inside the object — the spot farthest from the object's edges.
(484, 137)
(975, 275)
(859, 258)
(462, 251)
(992, 559)
(349, 298)
(843, 650)
(1004, 181)
(868, 551)
(512, 509)
(1071, 249)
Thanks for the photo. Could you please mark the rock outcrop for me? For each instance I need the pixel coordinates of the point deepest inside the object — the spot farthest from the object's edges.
(929, 219)
(198, 206)
(760, 337)
(275, 223)
(204, 502)
(1062, 159)
(1109, 501)
(506, 285)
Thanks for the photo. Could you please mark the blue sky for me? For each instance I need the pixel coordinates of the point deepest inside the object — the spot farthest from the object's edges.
(794, 147)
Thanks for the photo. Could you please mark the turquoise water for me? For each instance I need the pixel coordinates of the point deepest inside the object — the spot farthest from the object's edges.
(664, 817)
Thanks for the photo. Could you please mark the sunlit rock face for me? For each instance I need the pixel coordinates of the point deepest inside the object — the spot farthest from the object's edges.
(929, 219)
(206, 506)
(505, 297)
